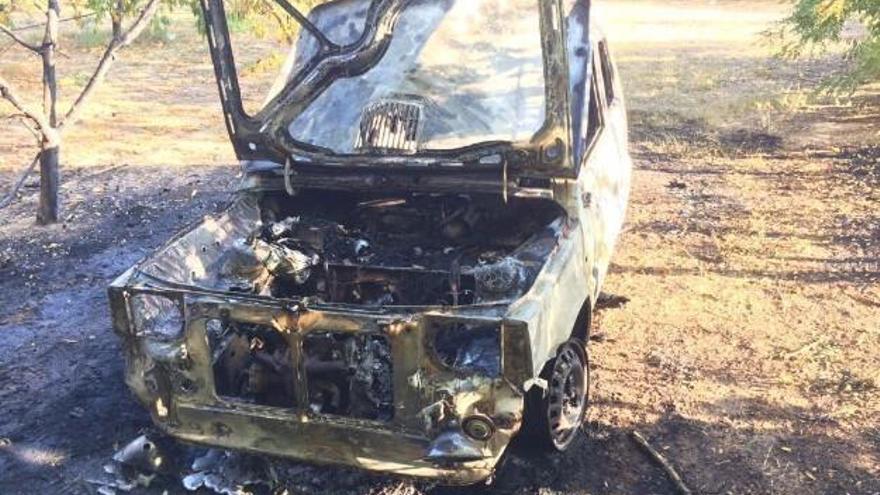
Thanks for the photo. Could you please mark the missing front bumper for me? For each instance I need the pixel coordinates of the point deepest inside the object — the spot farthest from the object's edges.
(324, 441)
(298, 398)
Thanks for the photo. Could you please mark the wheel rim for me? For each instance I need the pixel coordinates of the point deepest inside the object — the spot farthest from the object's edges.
(566, 401)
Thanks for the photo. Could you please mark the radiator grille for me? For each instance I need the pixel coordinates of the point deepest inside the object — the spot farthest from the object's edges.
(389, 126)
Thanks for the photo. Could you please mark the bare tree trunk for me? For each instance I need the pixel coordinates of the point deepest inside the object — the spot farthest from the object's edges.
(50, 181)
(49, 125)
(47, 211)
(116, 19)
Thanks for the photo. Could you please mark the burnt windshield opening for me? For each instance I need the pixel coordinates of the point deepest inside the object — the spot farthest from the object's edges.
(449, 78)
(262, 44)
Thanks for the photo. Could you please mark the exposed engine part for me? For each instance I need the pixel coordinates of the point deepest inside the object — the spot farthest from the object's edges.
(286, 259)
(371, 286)
(282, 229)
(349, 375)
(502, 277)
(361, 247)
(417, 250)
(252, 363)
(242, 271)
(382, 203)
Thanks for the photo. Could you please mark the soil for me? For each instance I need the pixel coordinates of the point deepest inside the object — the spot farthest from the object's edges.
(743, 344)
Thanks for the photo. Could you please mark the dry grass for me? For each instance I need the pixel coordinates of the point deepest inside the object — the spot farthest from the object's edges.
(750, 344)
(158, 108)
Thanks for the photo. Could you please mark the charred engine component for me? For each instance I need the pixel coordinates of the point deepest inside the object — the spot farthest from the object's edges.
(290, 249)
(397, 286)
(460, 223)
(501, 278)
(349, 375)
(242, 271)
(252, 363)
(414, 250)
(287, 259)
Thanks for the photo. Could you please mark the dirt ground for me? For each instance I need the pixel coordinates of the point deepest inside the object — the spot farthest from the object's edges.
(747, 354)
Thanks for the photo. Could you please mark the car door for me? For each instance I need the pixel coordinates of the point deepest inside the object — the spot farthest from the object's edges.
(606, 166)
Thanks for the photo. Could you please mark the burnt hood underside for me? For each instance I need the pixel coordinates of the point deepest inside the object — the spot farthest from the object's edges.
(265, 137)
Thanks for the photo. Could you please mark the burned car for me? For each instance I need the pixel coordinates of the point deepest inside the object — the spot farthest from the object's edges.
(405, 279)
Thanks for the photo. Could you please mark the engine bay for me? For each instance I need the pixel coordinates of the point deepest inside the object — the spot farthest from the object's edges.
(406, 250)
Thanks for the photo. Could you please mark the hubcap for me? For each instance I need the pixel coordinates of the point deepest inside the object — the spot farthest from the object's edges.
(566, 396)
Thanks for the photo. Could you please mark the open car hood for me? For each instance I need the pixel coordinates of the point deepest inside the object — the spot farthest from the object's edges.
(385, 96)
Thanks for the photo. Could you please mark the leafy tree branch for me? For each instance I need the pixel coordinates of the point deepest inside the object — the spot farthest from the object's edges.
(814, 25)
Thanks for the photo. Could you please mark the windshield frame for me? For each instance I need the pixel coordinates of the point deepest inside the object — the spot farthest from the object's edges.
(264, 136)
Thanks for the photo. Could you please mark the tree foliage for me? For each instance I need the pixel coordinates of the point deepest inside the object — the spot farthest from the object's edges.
(261, 18)
(818, 24)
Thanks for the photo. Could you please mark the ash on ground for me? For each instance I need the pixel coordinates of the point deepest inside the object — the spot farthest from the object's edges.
(157, 462)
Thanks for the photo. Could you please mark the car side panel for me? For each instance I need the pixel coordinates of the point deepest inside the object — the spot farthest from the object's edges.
(551, 306)
(606, 180)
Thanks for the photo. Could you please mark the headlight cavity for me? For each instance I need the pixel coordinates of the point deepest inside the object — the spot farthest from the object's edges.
(469, 348)
(156, 316)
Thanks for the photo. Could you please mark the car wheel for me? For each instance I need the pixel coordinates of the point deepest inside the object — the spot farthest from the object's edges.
(554, 416)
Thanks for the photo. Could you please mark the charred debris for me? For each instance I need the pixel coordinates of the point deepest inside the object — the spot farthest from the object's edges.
(154, 462)
(407, 250)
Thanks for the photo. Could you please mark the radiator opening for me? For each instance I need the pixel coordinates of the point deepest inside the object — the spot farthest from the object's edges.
(349, 375)
(252, 363)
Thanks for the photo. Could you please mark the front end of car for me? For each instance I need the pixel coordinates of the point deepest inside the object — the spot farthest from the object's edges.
(423, 394)
(395, 272)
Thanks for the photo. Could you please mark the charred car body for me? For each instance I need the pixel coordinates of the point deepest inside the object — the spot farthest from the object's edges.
(405, 279)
